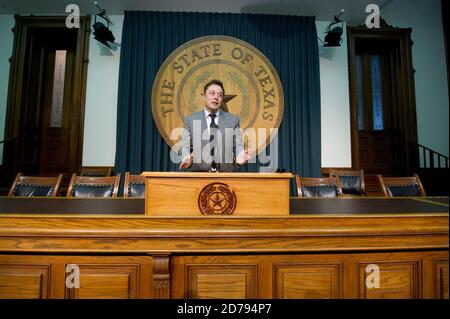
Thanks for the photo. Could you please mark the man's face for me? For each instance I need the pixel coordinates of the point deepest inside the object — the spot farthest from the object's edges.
(213, 97)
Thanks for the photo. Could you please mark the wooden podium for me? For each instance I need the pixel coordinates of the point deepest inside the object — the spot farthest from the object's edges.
(175, 194)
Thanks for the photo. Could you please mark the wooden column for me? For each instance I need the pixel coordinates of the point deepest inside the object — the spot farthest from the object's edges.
(161, 276)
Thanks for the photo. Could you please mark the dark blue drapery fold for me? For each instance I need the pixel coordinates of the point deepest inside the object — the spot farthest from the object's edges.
(289, 42)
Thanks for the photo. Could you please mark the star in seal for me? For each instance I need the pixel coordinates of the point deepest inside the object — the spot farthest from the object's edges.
(217, 200)
(227, 98)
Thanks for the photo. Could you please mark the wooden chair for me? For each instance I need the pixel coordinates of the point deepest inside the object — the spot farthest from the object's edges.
(134, 185)
(96, 171)
(32, 186)
(401, 186)
(88, 186)
(318, 187)
(351, 182)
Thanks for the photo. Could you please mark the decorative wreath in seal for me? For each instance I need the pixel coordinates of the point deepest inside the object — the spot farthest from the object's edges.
(217, 199)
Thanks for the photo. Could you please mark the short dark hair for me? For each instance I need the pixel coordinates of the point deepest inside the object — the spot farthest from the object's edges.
(212, 82)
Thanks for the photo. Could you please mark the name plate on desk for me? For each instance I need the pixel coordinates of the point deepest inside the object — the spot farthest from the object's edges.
(216, 194)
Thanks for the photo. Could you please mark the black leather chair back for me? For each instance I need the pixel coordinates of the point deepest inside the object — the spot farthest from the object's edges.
(89, 186)
(403, 190)
(136, 190)
(351, 185)
(317, 187)
(134, 185)
(31, 186)
(33, 190)
(319, 191)
(401, 186)
(351, 182)
(92, 190)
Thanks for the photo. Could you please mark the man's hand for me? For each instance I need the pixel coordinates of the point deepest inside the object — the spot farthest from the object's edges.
(187, 161)
(242, 158)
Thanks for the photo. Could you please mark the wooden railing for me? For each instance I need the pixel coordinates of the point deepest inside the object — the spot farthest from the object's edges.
(432, 168)
(427, 158)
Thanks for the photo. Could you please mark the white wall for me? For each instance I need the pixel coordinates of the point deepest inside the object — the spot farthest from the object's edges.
(7, 38)
(99, 145)
(335, 102)
(428, 55)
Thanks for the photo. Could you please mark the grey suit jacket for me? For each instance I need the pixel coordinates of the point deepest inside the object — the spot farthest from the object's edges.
(227, 144)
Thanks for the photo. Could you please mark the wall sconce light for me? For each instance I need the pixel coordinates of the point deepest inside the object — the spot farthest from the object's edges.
(101, 31)
(333, 37)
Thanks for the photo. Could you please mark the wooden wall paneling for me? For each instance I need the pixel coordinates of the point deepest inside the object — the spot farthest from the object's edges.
(109, 281)
(105, 277)
(111, 277)
(313, 276)
(52, 279)
(215, 277)
(308, 280)
(25, 281)
(325, 275)
(222, 281)
(253, 253)
(400, 276)
(434, 274)
(266, 277)
(258, 276)
(397, 281)
(442, 279)
(350, 276)
(178, 273)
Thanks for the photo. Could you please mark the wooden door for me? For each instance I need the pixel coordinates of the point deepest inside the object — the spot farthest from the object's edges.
(56, 124)
(46, 96)
(376, 132)
(44, 138)
(382, 100)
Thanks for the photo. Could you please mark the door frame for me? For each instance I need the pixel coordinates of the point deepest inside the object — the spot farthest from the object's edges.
(15, 87)
(406, 110)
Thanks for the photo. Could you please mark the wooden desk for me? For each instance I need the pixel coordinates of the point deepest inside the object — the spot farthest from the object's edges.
(297, 206)
(320, 251)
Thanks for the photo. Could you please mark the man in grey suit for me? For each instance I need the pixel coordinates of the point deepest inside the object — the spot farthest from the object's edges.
(212, 138)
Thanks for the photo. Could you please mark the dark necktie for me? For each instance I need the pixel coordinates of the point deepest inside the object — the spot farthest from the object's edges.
(212, 132)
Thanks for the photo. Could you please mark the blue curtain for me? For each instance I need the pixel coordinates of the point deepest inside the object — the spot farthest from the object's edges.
(289, 42)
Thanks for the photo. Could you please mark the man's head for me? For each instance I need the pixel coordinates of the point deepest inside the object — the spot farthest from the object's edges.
(213, 93)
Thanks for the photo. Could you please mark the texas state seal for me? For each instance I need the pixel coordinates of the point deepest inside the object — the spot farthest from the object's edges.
(217, 199)
(253, 89)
